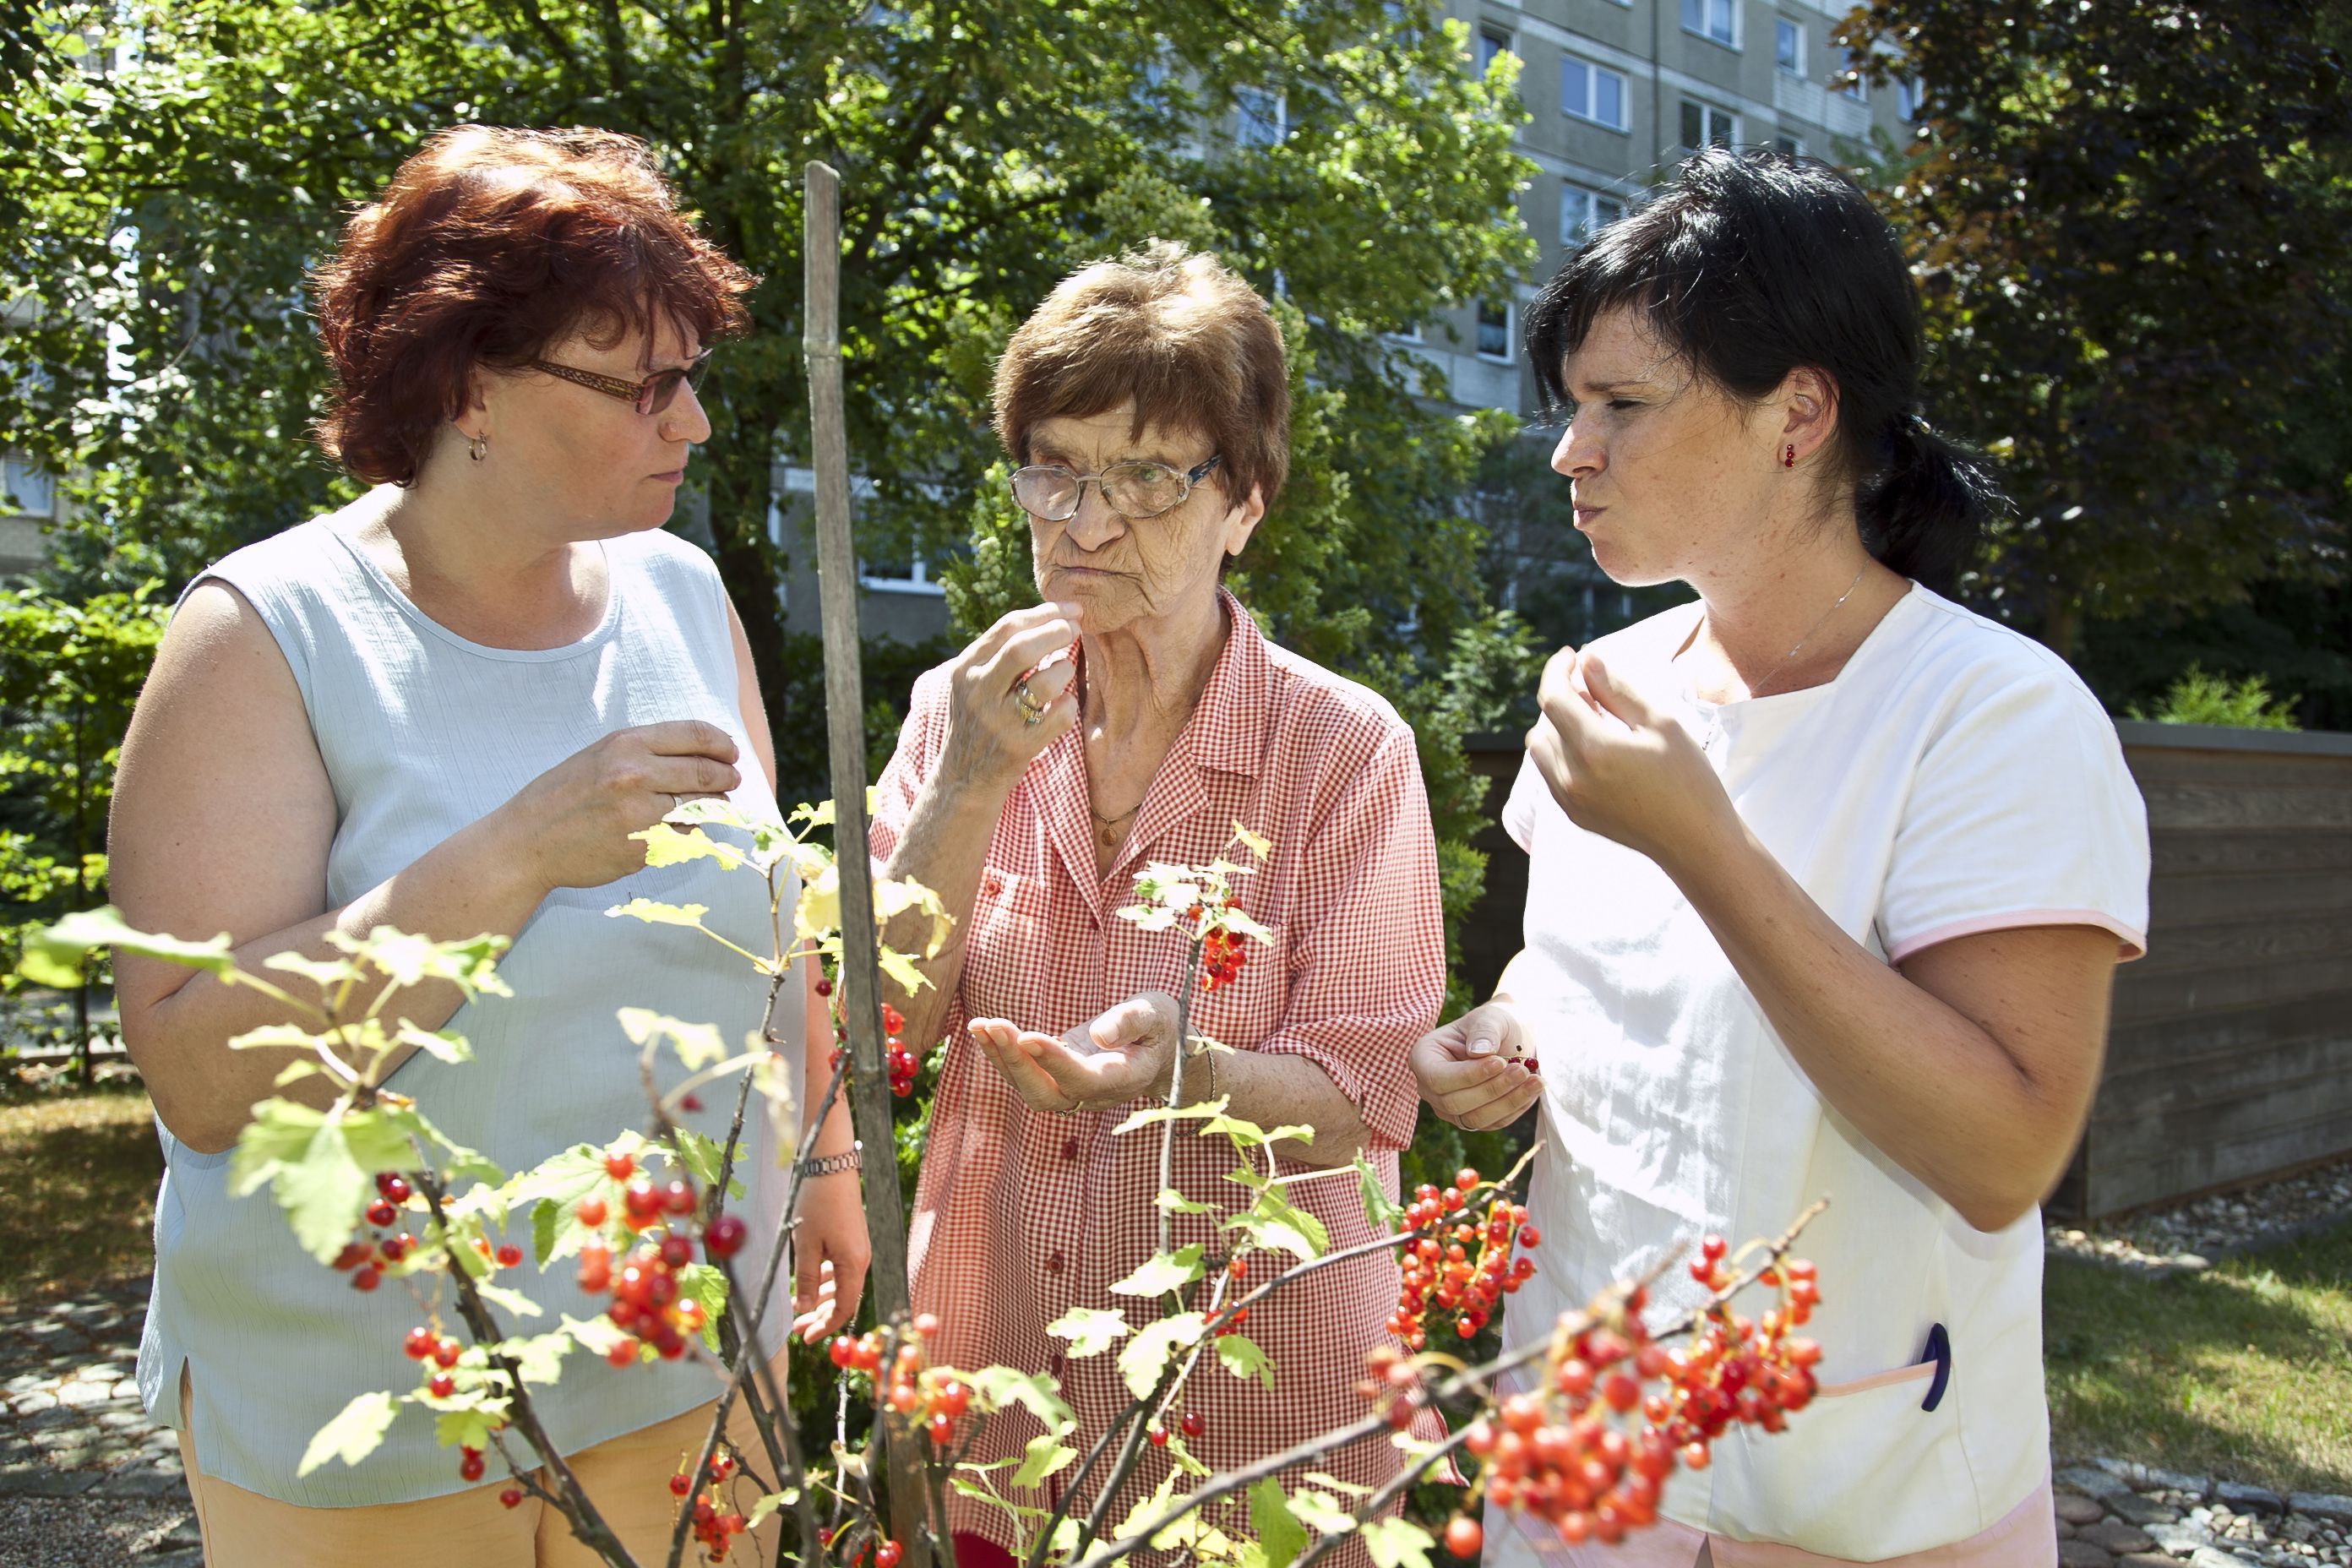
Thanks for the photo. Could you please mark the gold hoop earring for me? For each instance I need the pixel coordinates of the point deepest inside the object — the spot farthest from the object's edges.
(477, 448)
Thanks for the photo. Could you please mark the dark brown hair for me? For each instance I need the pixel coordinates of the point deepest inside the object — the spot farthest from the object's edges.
(1193, 344)
(489, 246)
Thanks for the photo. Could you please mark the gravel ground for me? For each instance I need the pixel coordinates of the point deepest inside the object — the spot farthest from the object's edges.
(2199, 1232)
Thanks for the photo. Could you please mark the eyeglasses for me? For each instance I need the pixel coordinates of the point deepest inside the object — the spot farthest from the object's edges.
(1139, 488)
(651, 395)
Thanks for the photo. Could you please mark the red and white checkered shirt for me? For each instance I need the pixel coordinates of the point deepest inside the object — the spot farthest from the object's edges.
(1020, 1215)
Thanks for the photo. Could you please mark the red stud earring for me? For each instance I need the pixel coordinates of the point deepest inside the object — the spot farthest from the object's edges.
(1789, 456)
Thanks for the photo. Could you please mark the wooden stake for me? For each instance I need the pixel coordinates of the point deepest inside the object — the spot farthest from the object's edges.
(844, 702)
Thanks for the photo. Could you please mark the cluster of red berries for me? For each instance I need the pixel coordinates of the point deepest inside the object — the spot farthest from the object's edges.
(1439, 1269)
(716, 1525)
(1589, 1450)
(648, 1306)
(422, 1345)
(1221, 950)
(934, 1398)
(900, 1061)
(884, 1554)
(365, 1261)
(1229, 1322)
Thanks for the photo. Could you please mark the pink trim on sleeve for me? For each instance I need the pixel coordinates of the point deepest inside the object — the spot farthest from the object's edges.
(2134, 943)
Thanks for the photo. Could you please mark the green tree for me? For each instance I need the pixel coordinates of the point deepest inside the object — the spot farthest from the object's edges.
(69, 675)
(2131, 224)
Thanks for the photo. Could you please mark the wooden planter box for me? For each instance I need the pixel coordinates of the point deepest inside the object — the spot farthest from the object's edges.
(2230, 1058)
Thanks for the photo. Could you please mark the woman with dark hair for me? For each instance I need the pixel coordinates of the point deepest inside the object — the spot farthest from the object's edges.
(444, 709)
(1138, 714)
(1829, 879)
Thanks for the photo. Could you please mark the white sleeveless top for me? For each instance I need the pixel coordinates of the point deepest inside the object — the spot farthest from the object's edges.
(423, 732)
(1954, 778)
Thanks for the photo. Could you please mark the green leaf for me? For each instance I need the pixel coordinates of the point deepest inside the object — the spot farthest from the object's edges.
(53, 953)
(1175, 1202)
(539, 1357)
(698, 1046)
(1147, 1355)
(1152, 1116)
(352, 1434)
(1046, 1456)
(1379, 1207)
(1090, 1330)
(1244, 1359)
(496, 1295)
(699, 1155)
(1249, 1134)
(1174, 1449)
(1000, 1387)
(1397, 1543)
(304, 1157)
(325, 973)
(1273, 1221)
(1320, 1512)
(1162, 1273)
(468, 1427)
(442, 1045)
(706, 1284)
(661, 914)
(668, 846)
(769, 1503)
(1279, 1530)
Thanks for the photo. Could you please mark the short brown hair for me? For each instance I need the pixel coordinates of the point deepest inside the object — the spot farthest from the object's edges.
(1193, 345)
(489, 246)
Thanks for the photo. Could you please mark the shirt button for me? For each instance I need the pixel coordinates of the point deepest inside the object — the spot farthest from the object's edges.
(1070, 1149)
(1053, 1264)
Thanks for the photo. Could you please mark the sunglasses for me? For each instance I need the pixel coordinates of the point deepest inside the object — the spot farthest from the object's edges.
(651, 395)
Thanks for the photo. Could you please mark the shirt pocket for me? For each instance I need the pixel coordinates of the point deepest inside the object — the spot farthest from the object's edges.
(1247, 1008)
(1006, 951)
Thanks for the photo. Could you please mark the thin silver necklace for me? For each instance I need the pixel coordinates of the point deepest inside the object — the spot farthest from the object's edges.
(1714, 719)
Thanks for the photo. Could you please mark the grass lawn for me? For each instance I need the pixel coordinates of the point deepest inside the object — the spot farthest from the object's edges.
(79, 1173)
(2244, 1372)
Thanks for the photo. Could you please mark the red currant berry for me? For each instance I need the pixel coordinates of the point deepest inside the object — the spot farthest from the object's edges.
(622, 1355)
(887, 1555)
(511, 1497)
(367, 1279)
(469, 1469)
(509, 1255)
(442, 1386)
(927, 1324)
(1464, 1537)
(1158, 1434)
(722, 1238)
(1529, 1236)
(943, 1429)
(677, 1250)
(381, 1214)
(591, 1212)
(824, 986)
(677, 1198)
(620, 1167)
(419, 1344)
(446, 1352)
(1193, 1424)
(680, 1484)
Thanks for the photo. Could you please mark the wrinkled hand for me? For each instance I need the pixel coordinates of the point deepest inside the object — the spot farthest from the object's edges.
(1128, 1054)
(989, 745)
(1618, 766)
(830, 1253)
(571, 824)
(1479, 1071)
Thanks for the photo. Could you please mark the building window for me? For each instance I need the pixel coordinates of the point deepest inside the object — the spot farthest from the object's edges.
(1495, 332)
(1910, 97)
(1492, 41)
(28, 490)
(1704, 122)
(1585, 211)
(1716, 19)
(1589, 93)
(1789, 46)
(1407, 334)
(1259, 117)
(1794, 146)
(1848, 82)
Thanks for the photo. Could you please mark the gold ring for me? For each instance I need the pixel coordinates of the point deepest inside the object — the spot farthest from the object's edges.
(1032, 710)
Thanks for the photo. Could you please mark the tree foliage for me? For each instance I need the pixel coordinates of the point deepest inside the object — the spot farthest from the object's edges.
(2131, 224)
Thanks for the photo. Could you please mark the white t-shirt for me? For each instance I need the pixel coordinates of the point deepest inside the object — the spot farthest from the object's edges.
(1955, 778)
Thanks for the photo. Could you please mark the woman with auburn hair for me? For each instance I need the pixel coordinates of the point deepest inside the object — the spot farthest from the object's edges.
(1828, 880)
(1138, 714)
(444, 709)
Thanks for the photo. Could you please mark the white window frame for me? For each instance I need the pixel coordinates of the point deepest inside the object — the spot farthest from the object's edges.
(1594, 73)
(1410, 335)
(1709, 110)
(1246, 116)
(1729, 11)
(1577, 194)
(26, 489)
(1782, 25)
(1478, 327)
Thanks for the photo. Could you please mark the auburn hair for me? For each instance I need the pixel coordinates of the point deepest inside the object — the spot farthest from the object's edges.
(489, 245)
(1192, 345)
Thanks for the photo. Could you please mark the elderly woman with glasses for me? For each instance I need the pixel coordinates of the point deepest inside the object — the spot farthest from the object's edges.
(1138, 714)
(445, 708)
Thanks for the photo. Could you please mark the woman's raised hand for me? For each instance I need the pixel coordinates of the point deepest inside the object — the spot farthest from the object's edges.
(1618, 766)
(1000, 715)
(1126, 1053)
(1477, 1071)
(571, 824)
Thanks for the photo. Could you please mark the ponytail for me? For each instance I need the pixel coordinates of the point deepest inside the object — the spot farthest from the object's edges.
(1924, 512)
